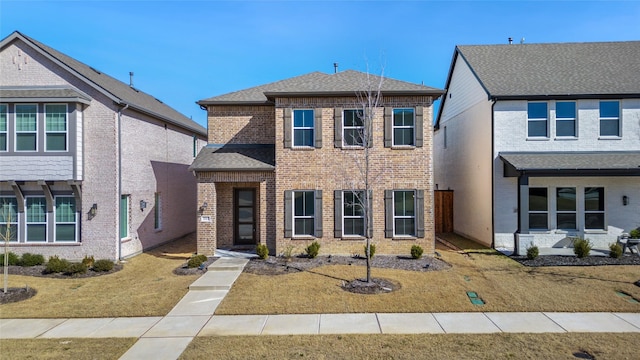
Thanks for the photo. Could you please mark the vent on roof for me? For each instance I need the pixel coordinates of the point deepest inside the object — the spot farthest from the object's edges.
(97, 72)
(131, 78)
(158, 100)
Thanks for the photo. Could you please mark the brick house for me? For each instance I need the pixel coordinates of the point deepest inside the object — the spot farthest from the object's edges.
(279, 167)
(541, 142)
(89, 166)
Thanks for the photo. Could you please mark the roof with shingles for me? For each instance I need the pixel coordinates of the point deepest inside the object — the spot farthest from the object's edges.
(610, 160)
(560, 69)
(49, 93)
(346, 82)
(235, 157)
(116, 89)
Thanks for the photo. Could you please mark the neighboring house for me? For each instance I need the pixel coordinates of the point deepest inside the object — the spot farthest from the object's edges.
(541, 142)
(89, 166)
(280, 168)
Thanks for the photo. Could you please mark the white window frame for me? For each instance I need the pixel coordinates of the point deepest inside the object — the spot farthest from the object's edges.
(294, 128)
(618, 119)
(304, 216)
(603, 212)
(157, 212)
(530, 119)
(27, 222)
(56, 223)
(358, 195)
(394, 127)
(14, 221)
(16, 132)
(574, 119)
(574, 212)
(359, 129)
(414, 232)
(6, 127)
(127, 210)
(65, 132)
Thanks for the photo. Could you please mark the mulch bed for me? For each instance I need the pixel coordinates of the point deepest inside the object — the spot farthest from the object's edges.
(376, 286)
(38, 270)
(16, 294)
(558, 260)
(185, 270)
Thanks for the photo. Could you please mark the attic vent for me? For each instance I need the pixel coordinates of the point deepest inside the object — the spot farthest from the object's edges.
(97, 72)
(134, 89)
(158, 100)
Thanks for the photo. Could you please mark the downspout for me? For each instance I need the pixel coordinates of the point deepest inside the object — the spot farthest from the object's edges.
(493, 211)
(120, 178)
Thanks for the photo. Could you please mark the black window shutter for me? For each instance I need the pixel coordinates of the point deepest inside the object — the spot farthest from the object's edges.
(419, 126)
(318, 214)
(420, 213)
(287, 127)
(288, 216)
(337, 213)
(370, 215)
(337, 127)
(317, 127)
(388, 213)
(388, 127)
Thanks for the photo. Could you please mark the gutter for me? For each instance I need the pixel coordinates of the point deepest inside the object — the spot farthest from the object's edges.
(493, 211)
(125, 107)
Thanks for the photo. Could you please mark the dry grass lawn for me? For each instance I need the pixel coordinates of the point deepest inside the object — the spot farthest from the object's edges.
(502, 283)
(96, 349)
(145, 287)
(484, 346)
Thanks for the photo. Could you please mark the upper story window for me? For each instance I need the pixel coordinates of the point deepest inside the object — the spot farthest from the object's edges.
(353, 128)
(403, 127)
(610, 118)
(566, 118)
(4, 126)
(303, 128)
(26, 127)
(56, 127)
(537, 120)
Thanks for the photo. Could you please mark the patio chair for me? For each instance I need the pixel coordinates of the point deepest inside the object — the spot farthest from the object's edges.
(627, 243)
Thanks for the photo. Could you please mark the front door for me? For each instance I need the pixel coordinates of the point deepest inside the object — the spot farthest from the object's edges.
(244, 205)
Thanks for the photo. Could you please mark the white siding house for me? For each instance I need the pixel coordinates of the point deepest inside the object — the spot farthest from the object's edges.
(541, 142)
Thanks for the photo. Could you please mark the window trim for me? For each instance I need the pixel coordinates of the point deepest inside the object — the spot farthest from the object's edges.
(574, 119)
(566, 212)
(294, 128)
(15, 221)
(414, 217)
(546, 120)
(126, 211)
(294, 216)
(6, 127)
(56, 223)
(27, 222)
(529, 211)
(618, 118)
(603, 211)
(345, 217)
(157, 211)
(65, 132)
(16, 132)
(345, 127)
(394, 127)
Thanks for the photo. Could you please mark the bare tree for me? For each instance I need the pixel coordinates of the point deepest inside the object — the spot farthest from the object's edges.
(7, 233)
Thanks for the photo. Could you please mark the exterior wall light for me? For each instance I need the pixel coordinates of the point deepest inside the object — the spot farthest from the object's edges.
(625, 200)
(203, 207)
(143, 205)
(93, 210)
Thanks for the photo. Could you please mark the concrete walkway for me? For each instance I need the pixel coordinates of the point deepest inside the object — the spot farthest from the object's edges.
(167, 337)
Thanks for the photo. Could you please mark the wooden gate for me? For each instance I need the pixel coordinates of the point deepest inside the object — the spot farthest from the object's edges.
(443, 200)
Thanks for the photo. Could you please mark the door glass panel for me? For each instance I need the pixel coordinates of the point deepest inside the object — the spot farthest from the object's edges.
(245, 198)
(245, 231)
(245, 215)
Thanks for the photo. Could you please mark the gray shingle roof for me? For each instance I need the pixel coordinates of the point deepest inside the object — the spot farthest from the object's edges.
(320, 84)
(235, 157)
(43, 93)
(597, 68)
(536, 161)
(116, 89)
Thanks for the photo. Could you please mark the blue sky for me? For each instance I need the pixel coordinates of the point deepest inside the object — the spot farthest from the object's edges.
(184, 51)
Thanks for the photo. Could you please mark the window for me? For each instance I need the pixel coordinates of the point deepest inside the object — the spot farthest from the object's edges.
(157, 212)
(538, 209)
(8, 219)
(566, 118)
(594, 208)
(537, 119)
(66, 218)
(303, 121)
(26, 127)
(609, 118)
(403, 127)
(124, 216)
(353, 128)
(353, 213)
(566, 208)
(3, 128)
(404, 213)
(304, 213)
(56, 127)
(36, 219)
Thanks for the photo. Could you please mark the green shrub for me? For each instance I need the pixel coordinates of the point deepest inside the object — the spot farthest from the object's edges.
(615, 250)
(56, 265)
(196, 261)
(372, 250)
(532, 252)
(76, 268)
(102, 265)
(634, 234)
(12, 259)
(31, 259)
(416, 251)
(288, 252)
(313, 249)
(88, 261)
(263, 251)
(581, 247)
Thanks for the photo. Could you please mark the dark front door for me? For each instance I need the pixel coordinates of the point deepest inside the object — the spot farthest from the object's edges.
(244, 205)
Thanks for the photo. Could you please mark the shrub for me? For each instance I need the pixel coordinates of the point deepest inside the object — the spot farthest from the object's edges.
(288, 252)
(634, 234)
(372, 250)
(416, 251)
(196, 261)
(56, 265)
(88, 261)
(12, 259)
(313, 249)
(31, 259)
(76, 268)
(263, 251)
(615, 250)
(581, 247)
(102, 265)
(532, 252)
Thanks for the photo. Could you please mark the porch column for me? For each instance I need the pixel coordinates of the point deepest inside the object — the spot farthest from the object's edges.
(523, 209)
(263, 212)
(207, 214)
